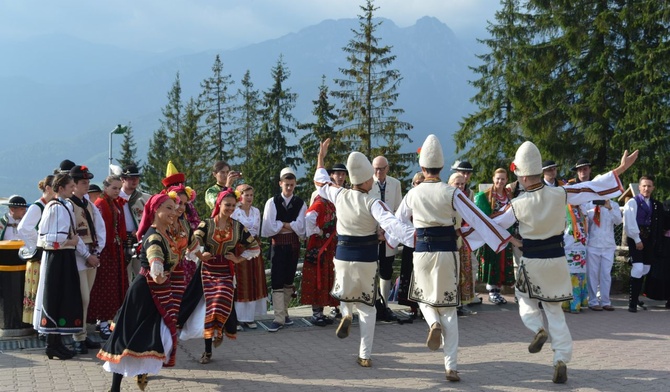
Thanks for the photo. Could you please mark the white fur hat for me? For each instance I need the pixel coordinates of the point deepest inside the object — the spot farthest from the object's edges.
(527, 161)
(360, 168)
(431, 153)
(286, 171)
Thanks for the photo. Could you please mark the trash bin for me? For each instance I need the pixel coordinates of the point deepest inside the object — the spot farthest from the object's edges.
(12, 282)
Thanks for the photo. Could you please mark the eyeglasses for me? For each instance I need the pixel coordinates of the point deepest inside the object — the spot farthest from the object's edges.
(380, 168)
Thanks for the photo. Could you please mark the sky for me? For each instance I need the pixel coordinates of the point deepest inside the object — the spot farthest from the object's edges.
(163, 25)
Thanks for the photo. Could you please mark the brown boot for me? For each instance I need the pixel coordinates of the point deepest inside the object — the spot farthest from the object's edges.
(434, 336)
(540, 338)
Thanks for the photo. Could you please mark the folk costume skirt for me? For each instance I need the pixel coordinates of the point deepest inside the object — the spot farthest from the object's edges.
(435, 279)
(144, 337)
(545, 279)
(355, 281)
(58, 307)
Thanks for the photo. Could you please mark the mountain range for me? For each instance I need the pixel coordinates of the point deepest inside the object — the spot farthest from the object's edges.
(61, 97)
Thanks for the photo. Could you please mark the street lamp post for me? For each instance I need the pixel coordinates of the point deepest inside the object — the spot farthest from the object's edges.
(118, 130)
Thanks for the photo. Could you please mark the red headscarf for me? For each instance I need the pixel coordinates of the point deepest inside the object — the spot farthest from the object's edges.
(149, 213)
(225, 193)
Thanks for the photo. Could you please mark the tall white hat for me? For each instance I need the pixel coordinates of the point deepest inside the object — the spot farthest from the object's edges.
(431, 153)
(360, 168)
(527, 161)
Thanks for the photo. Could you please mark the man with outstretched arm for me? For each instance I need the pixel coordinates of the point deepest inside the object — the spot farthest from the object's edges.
(357, 252)
(543, 273)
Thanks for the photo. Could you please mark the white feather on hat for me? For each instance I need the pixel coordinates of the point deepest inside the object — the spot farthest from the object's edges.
(116, 170)
(527, 160)
(431, 155)
(360, 168)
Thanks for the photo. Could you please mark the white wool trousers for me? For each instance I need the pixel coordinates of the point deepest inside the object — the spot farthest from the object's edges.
(447, 317)
(367, 317)
(531, 315)
(599, 272)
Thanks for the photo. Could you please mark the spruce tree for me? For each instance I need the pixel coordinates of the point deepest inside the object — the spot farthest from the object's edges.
(367, 116)
(154, 171)
(189, 154)
(245, 121)
(216, 104)
(492, 134)
(161, 147)
(318, 131)
(273, 149)
(128, 149)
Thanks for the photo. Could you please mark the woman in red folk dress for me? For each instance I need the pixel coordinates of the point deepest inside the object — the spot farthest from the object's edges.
(208, 300)
(318, 273)
(252, 291)
(181, 234)
(111, 281)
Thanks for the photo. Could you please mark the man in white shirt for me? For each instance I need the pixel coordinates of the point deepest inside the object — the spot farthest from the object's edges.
(603, 217)
(132, 210)
(642, 224)
(284, 224)
(388, 190)
(10, 221)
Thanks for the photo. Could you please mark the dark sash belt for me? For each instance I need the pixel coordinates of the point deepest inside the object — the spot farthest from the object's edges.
(544, 249)
(352, 248)
(436, 239)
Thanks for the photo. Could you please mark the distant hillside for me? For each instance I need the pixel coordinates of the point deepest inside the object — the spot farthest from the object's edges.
(61, 97)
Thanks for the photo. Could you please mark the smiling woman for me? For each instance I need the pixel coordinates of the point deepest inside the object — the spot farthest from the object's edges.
(144, 337)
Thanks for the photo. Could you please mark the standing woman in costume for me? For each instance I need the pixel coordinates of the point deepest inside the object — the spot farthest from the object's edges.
(252, 290)
(28, 233)
(58, 306)
(181, 234)
(112, 279)
(318, 271)
(144, 337)
(208, 300)
(496, 269)
(466, 279)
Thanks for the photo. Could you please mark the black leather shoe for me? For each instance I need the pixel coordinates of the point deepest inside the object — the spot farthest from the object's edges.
(91, 344)
(390, 316)
(80, 348)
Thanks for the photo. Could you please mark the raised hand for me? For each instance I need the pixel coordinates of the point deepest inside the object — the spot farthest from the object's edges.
(626, 162)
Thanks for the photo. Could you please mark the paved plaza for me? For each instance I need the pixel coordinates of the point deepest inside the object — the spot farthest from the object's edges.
(613, 351)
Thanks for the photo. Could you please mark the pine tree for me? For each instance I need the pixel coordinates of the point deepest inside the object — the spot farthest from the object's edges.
(216, 104)
(319, 131)
(128, 149)
(272, 151)
(368, 116)
(246, 120)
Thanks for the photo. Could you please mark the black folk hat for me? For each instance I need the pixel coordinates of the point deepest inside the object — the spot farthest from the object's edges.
(130, 171)
(549, 164)
(581, 163)
(94, 188)
(463, 166)
(80, 172)
(64, 167)
(338, 167)
(16, 201)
